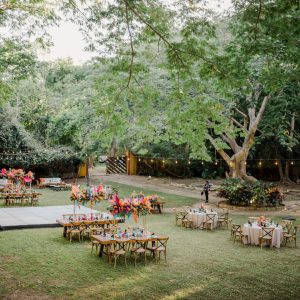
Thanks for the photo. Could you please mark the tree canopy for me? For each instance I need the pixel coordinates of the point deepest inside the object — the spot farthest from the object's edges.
(167, 72)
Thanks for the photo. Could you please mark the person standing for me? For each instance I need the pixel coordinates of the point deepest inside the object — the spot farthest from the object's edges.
(206, 190)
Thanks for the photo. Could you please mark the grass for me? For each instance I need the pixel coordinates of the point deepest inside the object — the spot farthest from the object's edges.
(49, 197)
(41, 264)
(201, 264)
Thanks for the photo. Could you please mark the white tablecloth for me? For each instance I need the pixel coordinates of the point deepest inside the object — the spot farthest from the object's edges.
(199, 217)
(253, 232)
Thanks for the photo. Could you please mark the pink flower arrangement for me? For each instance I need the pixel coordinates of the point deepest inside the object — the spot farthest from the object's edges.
(94, 193)
(135, 205)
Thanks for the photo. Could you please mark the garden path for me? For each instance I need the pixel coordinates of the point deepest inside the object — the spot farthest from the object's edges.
(191, 187)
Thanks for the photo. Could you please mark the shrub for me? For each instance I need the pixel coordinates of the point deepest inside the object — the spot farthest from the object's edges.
(242, 193)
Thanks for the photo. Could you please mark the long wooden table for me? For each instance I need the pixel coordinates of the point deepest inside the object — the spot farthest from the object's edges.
(14, 197)
(102, 223)
(106, 242)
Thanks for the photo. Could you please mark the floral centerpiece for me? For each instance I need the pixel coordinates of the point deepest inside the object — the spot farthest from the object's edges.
(3, 173)
(28, 177)
(134, 206)
(91, 194)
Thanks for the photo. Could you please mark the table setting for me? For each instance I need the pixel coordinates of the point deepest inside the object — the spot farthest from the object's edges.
(198, 216)
(254, 230)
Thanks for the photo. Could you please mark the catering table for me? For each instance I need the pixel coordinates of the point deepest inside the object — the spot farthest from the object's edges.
(198, 218)
(253, 233)
(106, 242)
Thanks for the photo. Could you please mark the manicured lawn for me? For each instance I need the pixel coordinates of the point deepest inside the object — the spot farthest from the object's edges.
(172, 200)
(50, 197)
(41, 264)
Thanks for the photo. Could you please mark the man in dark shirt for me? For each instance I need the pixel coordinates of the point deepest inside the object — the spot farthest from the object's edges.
(206, 190)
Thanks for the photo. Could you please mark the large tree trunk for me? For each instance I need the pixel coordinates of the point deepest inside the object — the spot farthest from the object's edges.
(237, 162)
(281, 176)
(286, 177)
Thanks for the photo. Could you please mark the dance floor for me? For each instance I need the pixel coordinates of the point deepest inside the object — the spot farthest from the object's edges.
(36, 217)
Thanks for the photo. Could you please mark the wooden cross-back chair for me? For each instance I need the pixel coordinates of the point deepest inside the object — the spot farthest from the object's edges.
(158, 247)
(209, 221)
(223, 220)
(290, 235)
(180, 216)
(74, 230)
(266, 236)
(236, 233)
(120, 248)
(139, 248)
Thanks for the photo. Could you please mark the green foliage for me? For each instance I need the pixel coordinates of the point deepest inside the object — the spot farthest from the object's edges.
(242, 193)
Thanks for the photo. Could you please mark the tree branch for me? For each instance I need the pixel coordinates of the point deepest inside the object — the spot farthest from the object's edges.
(241, 113)
(257, 18)
(131, 46)
(164, 39)
(224, 155)
(231, 142)
(238, 124)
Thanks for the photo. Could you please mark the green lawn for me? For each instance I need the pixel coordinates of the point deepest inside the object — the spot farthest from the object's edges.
(41, 264)
(50, 197)
(201, 264)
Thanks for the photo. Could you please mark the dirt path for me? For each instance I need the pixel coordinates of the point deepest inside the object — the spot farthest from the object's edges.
(191, 187)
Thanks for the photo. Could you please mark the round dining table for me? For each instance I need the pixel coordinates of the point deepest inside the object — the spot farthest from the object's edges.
(198, 218)
(254, 231)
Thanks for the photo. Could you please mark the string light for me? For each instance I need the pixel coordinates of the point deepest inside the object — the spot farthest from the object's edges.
(152, 160)
(176, 162)
(259, 164)
(292, 163)
(276, 163)
(216, 162)
(189, 162)
(245, 163)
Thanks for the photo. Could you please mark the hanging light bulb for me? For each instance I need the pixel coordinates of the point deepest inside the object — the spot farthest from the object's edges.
(292, 163)
(163, 161)
(259, 164)
(189, 162)
(152, 160)
(216, 162)
(245, 163)
(139, 159)
(176, 162)
(276, 163)
(202, 163)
